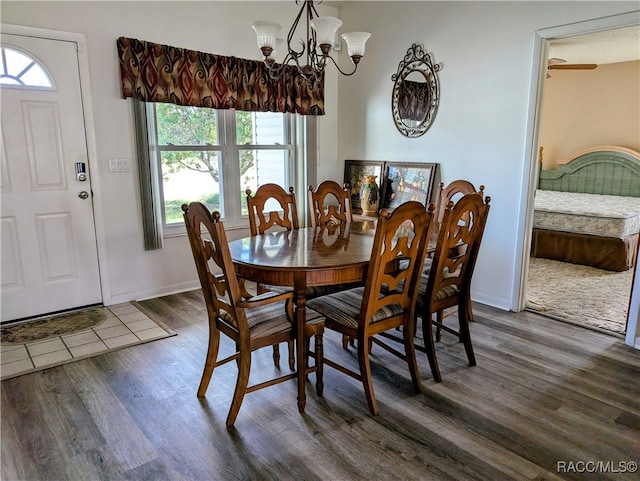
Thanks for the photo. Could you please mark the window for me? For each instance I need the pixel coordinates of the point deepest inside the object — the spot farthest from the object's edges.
(214, 156)
(19, 69)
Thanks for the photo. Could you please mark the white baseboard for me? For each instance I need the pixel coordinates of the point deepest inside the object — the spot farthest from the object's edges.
(151, 293)
(498, 303)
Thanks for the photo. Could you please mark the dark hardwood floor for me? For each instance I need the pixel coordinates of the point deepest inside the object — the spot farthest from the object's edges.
(545, 395)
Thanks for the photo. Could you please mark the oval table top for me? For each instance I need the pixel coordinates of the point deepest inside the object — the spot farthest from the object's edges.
(326, 255)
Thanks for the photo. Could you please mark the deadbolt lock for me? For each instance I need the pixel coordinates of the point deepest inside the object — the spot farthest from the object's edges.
(81, 171)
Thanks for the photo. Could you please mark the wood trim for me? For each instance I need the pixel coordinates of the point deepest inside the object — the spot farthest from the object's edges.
(600, 148)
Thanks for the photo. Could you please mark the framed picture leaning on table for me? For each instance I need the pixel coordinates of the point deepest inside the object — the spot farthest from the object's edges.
(406, 181)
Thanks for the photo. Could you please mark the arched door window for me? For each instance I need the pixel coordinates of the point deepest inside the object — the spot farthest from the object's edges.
(20, 69)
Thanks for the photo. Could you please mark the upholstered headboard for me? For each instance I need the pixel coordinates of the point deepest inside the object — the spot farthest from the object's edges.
(608, 170)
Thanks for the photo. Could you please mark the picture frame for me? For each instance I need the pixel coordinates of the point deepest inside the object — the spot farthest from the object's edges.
(406, 181)
(354, 172)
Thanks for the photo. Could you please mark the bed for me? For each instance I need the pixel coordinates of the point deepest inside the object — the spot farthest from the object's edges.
(587, 211)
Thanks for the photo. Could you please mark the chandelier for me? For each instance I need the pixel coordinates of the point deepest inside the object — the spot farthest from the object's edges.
(314, 53)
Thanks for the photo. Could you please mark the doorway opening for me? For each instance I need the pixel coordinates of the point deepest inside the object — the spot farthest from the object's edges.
(578, 109)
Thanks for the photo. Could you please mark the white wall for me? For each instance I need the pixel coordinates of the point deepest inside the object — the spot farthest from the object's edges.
(479, 133)
(216, 27)
(585, 108)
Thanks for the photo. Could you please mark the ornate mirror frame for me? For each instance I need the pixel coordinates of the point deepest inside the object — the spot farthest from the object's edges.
(414, 103)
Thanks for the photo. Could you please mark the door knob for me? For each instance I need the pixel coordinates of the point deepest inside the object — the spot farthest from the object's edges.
(83, 194)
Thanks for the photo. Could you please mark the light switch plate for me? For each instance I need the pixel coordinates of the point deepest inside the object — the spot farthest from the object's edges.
(119, 165)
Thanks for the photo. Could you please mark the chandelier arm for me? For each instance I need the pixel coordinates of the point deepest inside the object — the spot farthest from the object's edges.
(274, 70)
(355, 67)
(308, 37)
(294, 53)
(313, 7)
(290, 58)
(311, 34)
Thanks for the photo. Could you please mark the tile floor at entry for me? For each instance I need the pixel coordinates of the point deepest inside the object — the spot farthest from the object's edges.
(125, 325)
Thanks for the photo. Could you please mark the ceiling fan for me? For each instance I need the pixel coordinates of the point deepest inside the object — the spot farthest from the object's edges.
(560, 64)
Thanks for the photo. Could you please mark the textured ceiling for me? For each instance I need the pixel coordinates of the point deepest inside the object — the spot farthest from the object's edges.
(610, 46)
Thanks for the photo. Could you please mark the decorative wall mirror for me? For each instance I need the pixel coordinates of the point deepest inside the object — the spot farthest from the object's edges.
(416, 92)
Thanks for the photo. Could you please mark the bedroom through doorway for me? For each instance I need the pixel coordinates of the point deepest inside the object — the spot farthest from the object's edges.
(573, 119)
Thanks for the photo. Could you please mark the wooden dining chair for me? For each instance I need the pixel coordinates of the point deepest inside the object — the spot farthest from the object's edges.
(252, 323)
(330, 203)
(453, 192)
(285, 217)
(272, 207)
(448, 279)
(387, 301)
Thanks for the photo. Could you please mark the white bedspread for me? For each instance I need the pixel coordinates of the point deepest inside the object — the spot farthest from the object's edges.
(602, 215)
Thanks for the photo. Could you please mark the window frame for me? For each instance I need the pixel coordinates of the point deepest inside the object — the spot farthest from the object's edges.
(229, 165)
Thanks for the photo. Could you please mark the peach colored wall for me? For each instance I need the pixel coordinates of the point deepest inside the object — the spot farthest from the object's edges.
(586, 108)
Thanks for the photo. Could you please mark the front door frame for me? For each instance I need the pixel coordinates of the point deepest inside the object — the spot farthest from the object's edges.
(85, 89)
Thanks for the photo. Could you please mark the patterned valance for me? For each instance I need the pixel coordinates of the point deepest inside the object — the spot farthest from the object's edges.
(413, 100)
(160, 73)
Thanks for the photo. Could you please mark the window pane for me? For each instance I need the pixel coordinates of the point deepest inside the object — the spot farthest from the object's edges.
(16, 62)
(20, 69)
(180, 125)
(259, 128)
(258, 167)
(186, 178)
(36, 77)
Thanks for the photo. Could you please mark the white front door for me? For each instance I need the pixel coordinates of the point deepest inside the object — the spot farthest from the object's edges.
(49, 251)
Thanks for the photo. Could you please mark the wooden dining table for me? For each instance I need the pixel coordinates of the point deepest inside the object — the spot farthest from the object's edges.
(303, 258)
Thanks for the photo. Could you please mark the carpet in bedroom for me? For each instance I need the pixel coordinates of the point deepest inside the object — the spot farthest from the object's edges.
(582, 295)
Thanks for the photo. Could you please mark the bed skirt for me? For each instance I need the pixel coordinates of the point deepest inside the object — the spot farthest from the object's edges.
(602, 252)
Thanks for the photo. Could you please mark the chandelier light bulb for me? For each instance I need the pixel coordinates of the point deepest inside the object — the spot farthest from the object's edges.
(266, 32)
(326, 29)
(355, 42)
(278, 47)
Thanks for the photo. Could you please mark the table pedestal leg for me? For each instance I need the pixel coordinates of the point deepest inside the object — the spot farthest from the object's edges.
(301, 344)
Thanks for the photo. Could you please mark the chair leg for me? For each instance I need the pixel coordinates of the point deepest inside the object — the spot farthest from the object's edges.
(319, 364)
(346, 340)
(410, 354)
(244, 368)
(210, 362)
(465, 334)
(365, 374)
(439, 319)
(469, 311)
(429, 345)
(292, 355)
(276, 348)
(307, 355)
